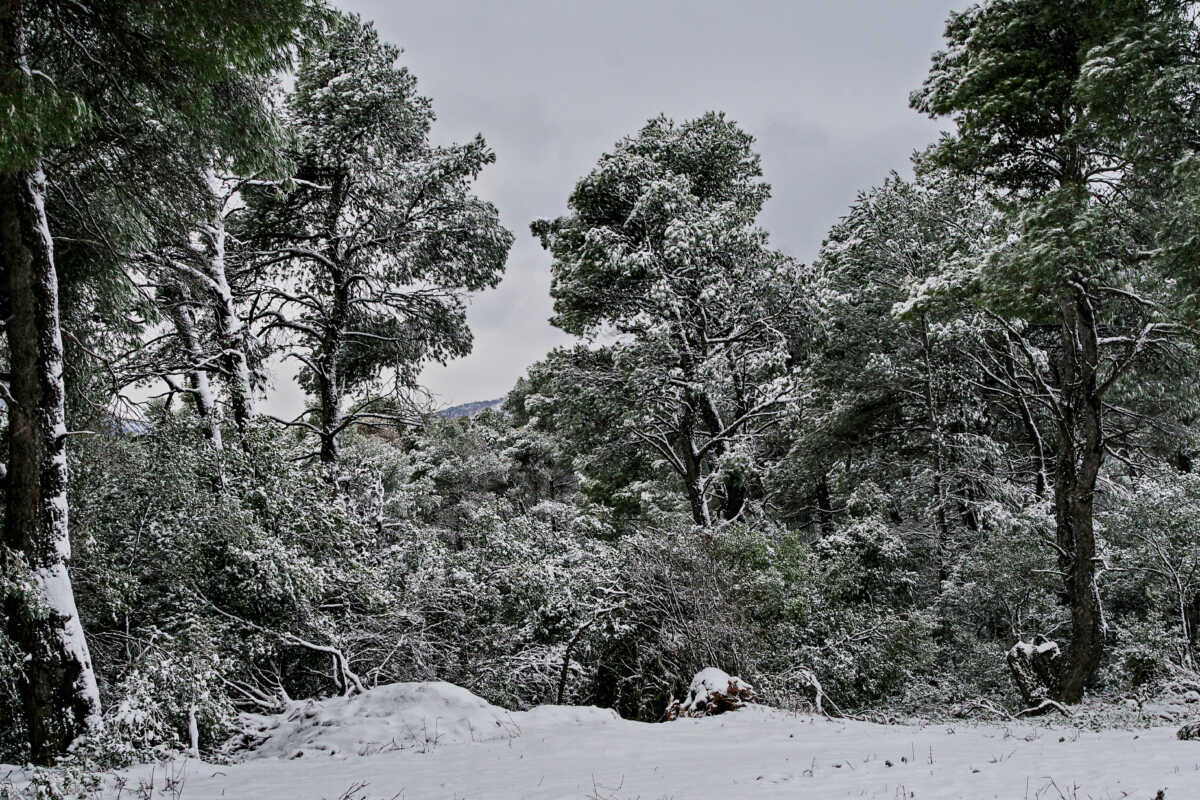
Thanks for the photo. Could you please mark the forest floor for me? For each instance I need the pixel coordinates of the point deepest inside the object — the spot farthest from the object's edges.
(437, 741)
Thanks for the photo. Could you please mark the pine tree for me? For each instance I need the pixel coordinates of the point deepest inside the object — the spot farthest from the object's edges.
(1072, 111)
(662, 248)
(377, 238)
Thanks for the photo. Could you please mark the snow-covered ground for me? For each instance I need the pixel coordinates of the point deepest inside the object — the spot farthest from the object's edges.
(427, 741)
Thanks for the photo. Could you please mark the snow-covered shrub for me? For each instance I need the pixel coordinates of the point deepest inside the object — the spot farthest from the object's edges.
(690, 601)
(1152, 590)
(199, 571)
(997, 592)
(13, 742)
(482, 575)
(862, 635)
(68, 781)
(172, 690)
(495, 615)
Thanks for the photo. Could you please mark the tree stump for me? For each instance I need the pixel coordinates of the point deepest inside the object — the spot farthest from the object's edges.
(1034, 667)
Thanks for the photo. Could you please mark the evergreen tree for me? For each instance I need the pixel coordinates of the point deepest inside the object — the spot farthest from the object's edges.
(377, 237)
(1072, 111)
(897, 394)
(661, 248)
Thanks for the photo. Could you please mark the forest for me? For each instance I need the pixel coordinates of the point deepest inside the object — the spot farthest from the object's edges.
(946, 470)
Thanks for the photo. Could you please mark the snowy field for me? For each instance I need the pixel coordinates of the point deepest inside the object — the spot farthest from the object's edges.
(437, 741)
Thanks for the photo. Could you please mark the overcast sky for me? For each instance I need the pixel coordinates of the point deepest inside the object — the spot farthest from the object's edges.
(821, 84)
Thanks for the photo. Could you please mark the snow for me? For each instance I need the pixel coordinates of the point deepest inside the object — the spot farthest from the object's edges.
(53, 587)
(481, 752)
(393, 717)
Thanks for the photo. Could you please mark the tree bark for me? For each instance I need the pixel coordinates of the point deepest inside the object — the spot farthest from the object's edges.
(331, 416)
(1034, 667)
(58, 685)
(231, 332)
(331, 394)
(733, 486)
(183, 316)
(1079, 456)
(329, 358)
(694, 486)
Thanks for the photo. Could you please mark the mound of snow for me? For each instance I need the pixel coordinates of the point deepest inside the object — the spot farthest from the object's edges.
(398, 716)
(541, 718)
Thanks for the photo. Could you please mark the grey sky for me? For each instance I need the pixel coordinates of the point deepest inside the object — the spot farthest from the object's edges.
(822, 84)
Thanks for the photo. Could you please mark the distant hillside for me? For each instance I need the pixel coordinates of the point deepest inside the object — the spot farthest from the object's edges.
(470, 409)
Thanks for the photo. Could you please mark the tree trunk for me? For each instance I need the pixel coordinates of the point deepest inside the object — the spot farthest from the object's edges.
(1192, 629)
(330, 395)
(694, 488)
(183, 316)
(733, 486)
(1079, 456)
(58, 686)
(1034, 667)
(329, 358)
(693, 479)
(939, 460)
(331, 412)
(231, 332)
(824, 505)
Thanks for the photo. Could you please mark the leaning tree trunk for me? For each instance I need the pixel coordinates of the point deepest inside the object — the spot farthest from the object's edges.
(1080, 454)
(58, 686)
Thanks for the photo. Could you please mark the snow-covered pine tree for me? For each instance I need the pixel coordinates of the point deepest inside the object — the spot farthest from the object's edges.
(661, 246)
(377, 237)
(1074, 114)
(894, 393)
(190, 277)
